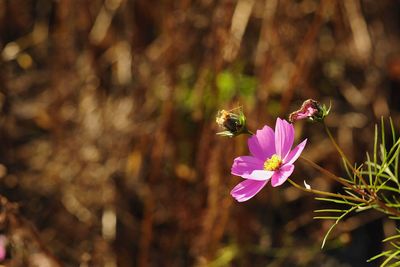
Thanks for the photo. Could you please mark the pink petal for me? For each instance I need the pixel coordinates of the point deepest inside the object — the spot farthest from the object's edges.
(246, 165)
(247, 189)
(261, 145)
(259, 175)
(295, 153)
(301, 116)
(282, 175)
(284, 136)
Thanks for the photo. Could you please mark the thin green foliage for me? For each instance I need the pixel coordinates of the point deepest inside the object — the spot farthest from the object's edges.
(329, 210)
(391, 238)
(396, 162)
(392, 256)
(337, 220)
(373, 185)
(339, 201)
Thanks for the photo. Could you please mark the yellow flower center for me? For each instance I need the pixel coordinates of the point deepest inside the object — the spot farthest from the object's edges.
(273, 163)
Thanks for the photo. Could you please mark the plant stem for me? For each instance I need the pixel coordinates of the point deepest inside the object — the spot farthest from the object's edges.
(247, 131)
(334, 177)
(341, 153)
(387, 209)
(319, 192)
(373, 198)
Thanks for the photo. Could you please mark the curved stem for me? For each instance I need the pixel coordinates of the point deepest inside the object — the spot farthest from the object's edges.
(336, 145)
(373, 198)
(333, 176)
(329, 194)
(341, 153)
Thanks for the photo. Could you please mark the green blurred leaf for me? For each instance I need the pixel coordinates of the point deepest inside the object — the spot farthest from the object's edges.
(247, 85)
(225, 82)
(225, 256)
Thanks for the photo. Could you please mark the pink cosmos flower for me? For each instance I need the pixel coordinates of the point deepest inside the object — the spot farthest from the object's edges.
(271, 159)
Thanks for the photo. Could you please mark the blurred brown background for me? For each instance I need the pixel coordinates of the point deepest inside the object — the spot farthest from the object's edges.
(107, 132)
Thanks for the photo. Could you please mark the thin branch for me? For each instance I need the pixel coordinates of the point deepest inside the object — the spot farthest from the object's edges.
(319, 192)
(346, 159)
(334, 177)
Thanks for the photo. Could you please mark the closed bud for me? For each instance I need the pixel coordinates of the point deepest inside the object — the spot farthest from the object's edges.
(233, 123)
(310, 109)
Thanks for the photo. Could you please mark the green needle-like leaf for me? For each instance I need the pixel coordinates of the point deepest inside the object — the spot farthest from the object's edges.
(329, 210)
(390, 258)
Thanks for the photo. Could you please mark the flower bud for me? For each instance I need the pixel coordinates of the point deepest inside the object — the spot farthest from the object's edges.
(233, 123)
(310, 109)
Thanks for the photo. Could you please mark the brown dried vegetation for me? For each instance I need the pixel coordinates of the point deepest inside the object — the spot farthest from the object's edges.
(107, 125)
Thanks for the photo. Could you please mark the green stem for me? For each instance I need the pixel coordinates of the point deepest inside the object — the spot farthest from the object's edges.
(333, 177)
(341, 153)
(373, 198)
(329, 194)
(247, 131)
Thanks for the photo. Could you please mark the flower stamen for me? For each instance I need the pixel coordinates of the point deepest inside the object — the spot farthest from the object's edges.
(273, 163)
